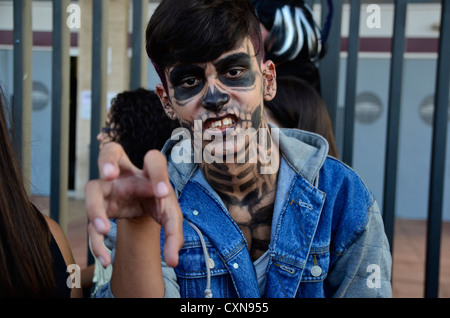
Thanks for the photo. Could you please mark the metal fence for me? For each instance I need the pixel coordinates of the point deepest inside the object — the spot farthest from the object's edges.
(329, 69)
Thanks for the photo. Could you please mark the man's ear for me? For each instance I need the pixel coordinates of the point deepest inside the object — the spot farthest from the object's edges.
(270, 82)
(165, 101)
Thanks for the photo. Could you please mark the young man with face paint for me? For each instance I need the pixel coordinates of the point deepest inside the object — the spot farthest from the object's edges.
(306, 228)
(225, 96)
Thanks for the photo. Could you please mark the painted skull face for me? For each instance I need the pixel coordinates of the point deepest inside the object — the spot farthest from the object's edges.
(226, 95)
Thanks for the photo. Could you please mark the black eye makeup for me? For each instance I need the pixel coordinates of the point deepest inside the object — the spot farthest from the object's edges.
(236, 70)
(187, 80)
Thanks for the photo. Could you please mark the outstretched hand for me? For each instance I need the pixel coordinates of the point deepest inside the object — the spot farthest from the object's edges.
(126, 192)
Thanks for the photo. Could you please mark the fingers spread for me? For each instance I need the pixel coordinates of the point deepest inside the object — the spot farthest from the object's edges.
(98, 247)
(113, 161)
(155, 168)
(172, 222)
(95, 205)
(172, 245)
(98, 220)
(168, 212)
(124, 191)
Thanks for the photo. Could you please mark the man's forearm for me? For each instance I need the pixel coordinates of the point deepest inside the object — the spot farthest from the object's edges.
(137, 265)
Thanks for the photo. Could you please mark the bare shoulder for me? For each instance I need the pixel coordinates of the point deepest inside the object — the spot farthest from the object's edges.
(63, 244)
(60, 239)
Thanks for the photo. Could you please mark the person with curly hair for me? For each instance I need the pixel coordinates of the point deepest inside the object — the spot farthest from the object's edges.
(137, 121)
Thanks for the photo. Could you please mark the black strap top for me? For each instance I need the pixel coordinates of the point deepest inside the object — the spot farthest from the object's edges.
(59, 271)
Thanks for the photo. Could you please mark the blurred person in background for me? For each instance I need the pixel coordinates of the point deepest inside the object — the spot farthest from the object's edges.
(137, 122)
(291, 37)
(34, 251)
(298, 105)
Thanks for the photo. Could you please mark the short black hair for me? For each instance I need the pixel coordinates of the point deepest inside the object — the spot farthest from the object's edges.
(195, 31)
(138, 122)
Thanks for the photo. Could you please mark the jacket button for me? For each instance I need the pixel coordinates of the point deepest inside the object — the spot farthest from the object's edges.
(211, 263)
(235, 266)
(195, 212)
(316, 271)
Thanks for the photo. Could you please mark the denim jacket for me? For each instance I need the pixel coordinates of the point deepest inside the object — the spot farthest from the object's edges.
(327, 235)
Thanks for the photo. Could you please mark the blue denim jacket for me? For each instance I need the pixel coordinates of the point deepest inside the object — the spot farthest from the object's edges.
(327, 235)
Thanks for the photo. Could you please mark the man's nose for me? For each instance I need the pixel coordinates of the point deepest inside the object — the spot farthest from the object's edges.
(214, 100)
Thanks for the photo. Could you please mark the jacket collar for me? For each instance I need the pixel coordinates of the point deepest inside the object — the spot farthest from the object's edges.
(304, 151)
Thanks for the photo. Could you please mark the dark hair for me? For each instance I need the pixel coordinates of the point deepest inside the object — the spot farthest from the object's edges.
(298, 105)
(199, 31)
(137, 121)
(25, 258)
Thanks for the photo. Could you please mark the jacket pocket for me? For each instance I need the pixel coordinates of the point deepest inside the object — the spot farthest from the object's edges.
(193, 275)
(316, 269)
(317, 264)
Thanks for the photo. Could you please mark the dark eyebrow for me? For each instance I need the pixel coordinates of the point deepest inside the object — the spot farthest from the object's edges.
(179, 72)
(237, 59)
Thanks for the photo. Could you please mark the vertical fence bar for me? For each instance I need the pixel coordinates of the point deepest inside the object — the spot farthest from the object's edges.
(393, 124)
(60, 114)
(138, 65)
(23, 78)
(350, 90)
(100, 19)
(329, 64)
(99, 77)
(436, 191)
